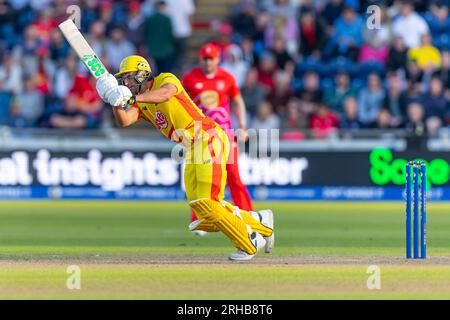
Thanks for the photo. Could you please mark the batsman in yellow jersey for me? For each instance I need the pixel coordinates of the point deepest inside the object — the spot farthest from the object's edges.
(135, 93)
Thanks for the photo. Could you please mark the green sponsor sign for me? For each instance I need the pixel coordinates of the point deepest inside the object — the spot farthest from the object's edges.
(94, 65)
(385, 169)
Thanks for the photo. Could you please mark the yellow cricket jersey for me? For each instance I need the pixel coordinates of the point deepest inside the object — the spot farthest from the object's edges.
(179, 113)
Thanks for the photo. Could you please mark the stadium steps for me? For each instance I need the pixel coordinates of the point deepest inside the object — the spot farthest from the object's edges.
(207, 11)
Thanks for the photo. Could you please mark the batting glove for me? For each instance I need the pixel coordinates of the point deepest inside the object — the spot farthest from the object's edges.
(105, 85)
(119, 97)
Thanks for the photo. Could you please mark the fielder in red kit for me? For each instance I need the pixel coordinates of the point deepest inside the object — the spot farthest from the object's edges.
(216, 92)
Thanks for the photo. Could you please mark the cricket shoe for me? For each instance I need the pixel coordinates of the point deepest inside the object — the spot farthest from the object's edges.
(258, 241)
(194, 225)
(266, 218)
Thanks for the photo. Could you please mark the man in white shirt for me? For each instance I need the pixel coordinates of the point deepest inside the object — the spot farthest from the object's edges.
(180, 12)
(409, 25)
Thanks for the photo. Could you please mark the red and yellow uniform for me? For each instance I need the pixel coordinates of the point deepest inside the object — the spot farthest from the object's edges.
(207, 150)
(207, 147)
(213, 94)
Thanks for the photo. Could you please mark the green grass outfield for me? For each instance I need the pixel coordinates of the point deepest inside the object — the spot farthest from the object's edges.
(144, 250)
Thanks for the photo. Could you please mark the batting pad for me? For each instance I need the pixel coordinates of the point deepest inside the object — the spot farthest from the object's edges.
(248, 219)
(233, 227)
(203, 226)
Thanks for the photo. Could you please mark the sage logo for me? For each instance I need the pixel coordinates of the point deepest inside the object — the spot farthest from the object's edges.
(385, 169)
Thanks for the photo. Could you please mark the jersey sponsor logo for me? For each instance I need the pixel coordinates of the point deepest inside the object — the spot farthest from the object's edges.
(209, 99)
(199, 85)
(160, 120)
(220, 85)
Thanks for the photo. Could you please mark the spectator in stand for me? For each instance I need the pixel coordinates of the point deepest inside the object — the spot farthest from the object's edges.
(438, 18)
(415, 121)
(312, 34)
(266, 70)
(97, 39)
(87, 99)
(349, 119)
(283, 27)
(382, 35)
(410, 25)
(384, 120)
(70, 117)
(64, 77)
(224, 40)
(282, 8)
(234, 64)
(248, 51)
(244, 22)
(444, 73)
(180, 12)
(265, 117)
(252, 92)
(396, 98)
(11, 74)
(5, 105)
(347, 37)
(414, 75)
(335, 96)
(90, 14)
(282, 56)
(28, 106)
(377, 41)
(282, 94)
(397, 58)
(117, 47)
(323, 121)
(106, 14)
(428, 57)
(333, 11)
(59, 49)
(434, 101)
(294, 122)
(135, 19)
(310, 92)
(31, 42)
(370, 100)
(159, 38)
(44, 24)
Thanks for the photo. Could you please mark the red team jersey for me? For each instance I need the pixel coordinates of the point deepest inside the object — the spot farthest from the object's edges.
(212, 94)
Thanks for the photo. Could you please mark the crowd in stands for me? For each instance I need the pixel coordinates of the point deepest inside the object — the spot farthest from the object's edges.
(303, 65)
(42, 81)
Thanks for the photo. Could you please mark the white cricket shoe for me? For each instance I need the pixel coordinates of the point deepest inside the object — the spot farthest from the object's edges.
(258, 241)
(193, 225)
(266, 218)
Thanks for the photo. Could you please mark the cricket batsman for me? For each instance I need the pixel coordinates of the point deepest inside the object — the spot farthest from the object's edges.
(135, 93)
(213, 89)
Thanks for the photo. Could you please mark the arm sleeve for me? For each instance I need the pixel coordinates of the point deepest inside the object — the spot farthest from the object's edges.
(234, 88)
(170, 78)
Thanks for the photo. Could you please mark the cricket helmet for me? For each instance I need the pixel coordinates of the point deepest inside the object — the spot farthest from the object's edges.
(143, 73)
(133, 64)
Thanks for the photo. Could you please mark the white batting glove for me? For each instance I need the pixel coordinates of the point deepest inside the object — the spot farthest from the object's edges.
(119, 96)
(105, 85)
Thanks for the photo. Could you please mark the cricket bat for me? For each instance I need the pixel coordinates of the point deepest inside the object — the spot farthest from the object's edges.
(82, 48)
